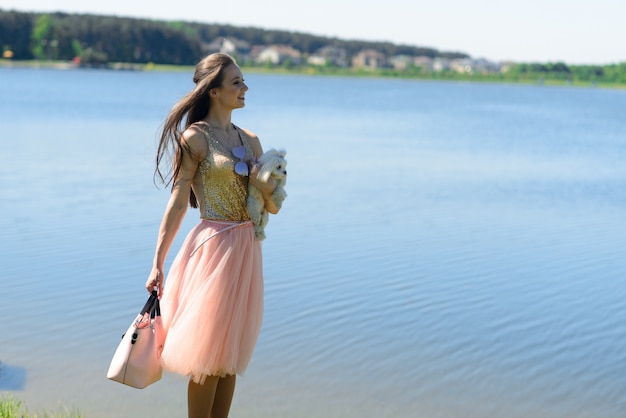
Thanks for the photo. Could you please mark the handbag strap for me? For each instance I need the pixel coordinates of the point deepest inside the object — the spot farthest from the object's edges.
(148, 307)
(156, 308)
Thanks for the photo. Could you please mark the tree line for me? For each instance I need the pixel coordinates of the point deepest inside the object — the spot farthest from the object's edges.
(99, 39)
(62, 36)
(560, 72)
(610, 73)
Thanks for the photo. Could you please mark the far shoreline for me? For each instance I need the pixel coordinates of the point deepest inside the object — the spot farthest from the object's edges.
(318, 71)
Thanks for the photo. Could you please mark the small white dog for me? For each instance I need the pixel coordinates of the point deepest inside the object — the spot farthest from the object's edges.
(273, 165)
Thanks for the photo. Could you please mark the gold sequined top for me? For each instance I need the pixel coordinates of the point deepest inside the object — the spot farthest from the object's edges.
(221, 192)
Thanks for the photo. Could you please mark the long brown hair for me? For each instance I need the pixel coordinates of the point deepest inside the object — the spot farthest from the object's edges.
(195, 106)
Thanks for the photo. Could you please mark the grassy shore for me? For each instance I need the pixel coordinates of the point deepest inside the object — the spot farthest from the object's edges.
(337, 72)
(10, 407)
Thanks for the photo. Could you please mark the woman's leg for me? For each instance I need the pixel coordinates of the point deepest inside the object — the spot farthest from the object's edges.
(223, 396)
(211, 399)
(200, 397)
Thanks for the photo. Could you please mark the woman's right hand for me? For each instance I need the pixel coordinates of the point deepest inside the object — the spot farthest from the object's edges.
(155, 280)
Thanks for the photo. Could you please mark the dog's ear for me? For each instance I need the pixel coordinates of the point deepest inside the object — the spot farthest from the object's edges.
(267, 156)
(266, 171)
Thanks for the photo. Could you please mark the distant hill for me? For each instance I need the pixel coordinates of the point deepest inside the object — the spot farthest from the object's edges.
(62, 36)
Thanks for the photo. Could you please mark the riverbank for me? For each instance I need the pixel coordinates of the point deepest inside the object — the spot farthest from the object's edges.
(11, 407)
(531, 79)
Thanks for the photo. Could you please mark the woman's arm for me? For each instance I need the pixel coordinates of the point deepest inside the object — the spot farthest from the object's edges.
(266, 188)
(176, 207)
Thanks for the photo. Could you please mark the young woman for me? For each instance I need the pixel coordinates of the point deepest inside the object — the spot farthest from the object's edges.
(212, 302)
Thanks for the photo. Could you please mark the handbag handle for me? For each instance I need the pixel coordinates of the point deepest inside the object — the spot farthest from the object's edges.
(149, 303)
(153, 306)
(156, 308)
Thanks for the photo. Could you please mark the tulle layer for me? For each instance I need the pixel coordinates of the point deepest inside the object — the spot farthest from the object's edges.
(212, 303)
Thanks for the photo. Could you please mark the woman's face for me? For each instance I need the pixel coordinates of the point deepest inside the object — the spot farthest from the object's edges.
(231, 94)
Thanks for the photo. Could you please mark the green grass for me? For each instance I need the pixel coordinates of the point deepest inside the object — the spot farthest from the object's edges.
(530, 79)
(11, 407)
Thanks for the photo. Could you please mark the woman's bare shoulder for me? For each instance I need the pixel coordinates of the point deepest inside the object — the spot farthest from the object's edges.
(194, 138)
(254, 142)
(249, 133)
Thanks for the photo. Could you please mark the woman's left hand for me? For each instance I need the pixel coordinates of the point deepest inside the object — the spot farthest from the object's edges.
(155, 281)
(266, 187)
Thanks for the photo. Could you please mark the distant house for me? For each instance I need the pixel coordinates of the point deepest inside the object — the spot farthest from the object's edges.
(329, 55)
(369, 58)
(441, 64)
(279, 54)
(423, 62)
(469, 65)
(463, 65)
(231, 46)
(401, 62)
(484, 66)
(255, 51)
(404, 62)
(506, 66)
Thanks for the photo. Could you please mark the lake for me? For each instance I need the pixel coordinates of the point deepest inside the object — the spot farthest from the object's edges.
(447, 249)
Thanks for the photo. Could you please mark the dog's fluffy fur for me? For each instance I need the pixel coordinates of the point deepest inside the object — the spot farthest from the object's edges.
(273, 165)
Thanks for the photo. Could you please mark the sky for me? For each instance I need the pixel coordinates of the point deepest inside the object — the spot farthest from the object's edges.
(572, 31)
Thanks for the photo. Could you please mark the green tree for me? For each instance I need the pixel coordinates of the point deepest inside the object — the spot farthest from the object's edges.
(42, 37)
(15, 34)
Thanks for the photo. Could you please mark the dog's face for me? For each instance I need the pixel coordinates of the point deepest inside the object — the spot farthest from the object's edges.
(275, 168)
(279, 168)
(273, 164)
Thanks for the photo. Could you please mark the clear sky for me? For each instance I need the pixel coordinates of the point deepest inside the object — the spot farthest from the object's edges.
(574, 31)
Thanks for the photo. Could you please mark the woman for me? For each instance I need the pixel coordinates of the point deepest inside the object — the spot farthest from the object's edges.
(213, 303)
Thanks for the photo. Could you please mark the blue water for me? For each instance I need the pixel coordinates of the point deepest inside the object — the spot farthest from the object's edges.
(446, 249)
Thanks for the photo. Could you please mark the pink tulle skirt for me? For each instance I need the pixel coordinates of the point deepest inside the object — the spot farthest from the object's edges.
(212, 303)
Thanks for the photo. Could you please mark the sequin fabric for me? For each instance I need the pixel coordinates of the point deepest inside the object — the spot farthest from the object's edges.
(223, 192)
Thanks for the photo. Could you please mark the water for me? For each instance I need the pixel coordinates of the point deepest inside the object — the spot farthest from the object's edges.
(446, 249)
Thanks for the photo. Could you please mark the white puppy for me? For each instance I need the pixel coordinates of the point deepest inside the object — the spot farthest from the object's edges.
(273, 165)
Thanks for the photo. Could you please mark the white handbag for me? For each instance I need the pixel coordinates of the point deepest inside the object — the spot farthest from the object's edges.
(137, 360)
